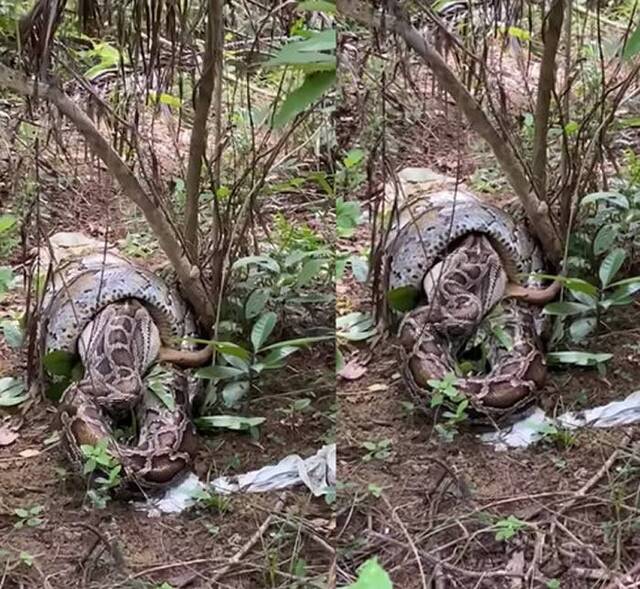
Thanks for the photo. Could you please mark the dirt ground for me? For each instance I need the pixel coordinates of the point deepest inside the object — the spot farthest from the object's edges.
(428, 509)
(269, 540)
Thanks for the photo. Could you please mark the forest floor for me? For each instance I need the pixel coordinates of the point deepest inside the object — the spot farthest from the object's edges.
(278, 540)
(430, 509)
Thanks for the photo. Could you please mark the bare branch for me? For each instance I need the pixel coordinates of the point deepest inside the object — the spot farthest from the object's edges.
(537, 210)
(552, 32)
(188, 274)
(200, 132)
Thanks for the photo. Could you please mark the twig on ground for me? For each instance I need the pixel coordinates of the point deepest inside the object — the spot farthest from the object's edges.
(396, 517)
(112, 546)
(251, 542)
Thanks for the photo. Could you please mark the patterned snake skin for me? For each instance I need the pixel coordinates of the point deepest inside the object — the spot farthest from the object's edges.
(464, 257)
(117, 317)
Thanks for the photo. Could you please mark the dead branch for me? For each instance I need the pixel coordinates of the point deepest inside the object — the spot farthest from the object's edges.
(537, 210)
(188, 274)
(552, 32)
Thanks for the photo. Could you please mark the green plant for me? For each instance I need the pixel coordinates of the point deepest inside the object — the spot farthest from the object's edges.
(591, 302)
(380, 450)
(296, 407)
(243, 366)
(607, 220)
(12, 332)
(98, 458)
(139, 245)
(559, 436)
(353, 327)
(374, 490)
(371, 575)
(281, 279)
(28, 516)
(447, 395)
(507, 528)
(312, 55)
(349, 177)
(12, 392)
(212, 501)
(408, 408)
(108, 58)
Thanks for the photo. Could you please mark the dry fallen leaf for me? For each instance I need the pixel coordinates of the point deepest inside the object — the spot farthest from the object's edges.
(7, 436)
(29, 453)
(352, 370)
(374, 388)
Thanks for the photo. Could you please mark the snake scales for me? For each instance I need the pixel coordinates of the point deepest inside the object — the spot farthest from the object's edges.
(121, 319)
(464, 258)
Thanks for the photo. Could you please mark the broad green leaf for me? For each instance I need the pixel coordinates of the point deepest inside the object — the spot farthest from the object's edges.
(565, 308)
(256, 302)
(308, 52)
(573, 284)
(7, 222)
(318, 6)
(359, 267)
(12, 333)
(59, 363)
(237, 362)
(578, 358)
(611, 265)
(159, 383)
(233, 392)
(6, 279)
(262, 261)
(614, 198)
(278, 354)
(605, 238)
(632, 46)
(221, 372)
(506, 341)
(298, 342)
(582, 327)
(12, 392)
(341, 265)
(371, 576)
(309, 271)
(231, 349)
(262, 329)
(340, 363)
(348, 216)
(355, 326)
(403, 298)
(315, 85)
(620, 296)
(519, 34)
(234, 422)
(577, 285)
(353, 158)
(626, 282)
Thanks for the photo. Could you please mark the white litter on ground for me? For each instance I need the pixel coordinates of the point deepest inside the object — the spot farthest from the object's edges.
(317, 473)
(532, 428)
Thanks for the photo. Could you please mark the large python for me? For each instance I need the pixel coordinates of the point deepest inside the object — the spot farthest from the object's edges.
(464, 257)
(121, 319)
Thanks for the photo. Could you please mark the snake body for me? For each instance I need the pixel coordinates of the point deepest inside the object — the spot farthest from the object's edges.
(117, 317)
(464, 257)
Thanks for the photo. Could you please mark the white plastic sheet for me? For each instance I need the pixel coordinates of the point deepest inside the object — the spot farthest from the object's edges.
(531, 428)
(317, 473)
